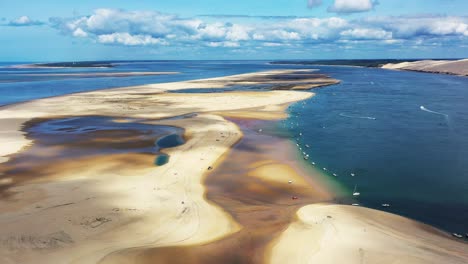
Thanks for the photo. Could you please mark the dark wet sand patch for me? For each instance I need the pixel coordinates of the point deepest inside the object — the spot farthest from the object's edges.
(295, 80)
(264, 208)
(66, 144)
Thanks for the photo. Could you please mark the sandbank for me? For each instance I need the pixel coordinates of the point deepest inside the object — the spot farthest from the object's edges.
(83, 210)
(209, 202)
(330, 233)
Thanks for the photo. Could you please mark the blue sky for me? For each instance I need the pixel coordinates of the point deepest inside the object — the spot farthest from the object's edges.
(52, 30)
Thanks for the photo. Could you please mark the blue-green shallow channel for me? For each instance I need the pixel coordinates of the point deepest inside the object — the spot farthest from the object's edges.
(404, 136)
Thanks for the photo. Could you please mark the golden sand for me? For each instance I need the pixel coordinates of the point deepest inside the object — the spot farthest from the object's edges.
(119, 208)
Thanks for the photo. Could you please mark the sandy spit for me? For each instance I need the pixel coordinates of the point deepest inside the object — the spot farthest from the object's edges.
(86, 210)
(330, 233)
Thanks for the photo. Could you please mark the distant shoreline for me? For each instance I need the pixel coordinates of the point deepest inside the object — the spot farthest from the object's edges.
(438, 66)
(451, 67)
(371, 63)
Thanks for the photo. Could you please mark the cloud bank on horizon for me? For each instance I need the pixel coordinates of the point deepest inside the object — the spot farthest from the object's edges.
(350, 24)
(141, 28)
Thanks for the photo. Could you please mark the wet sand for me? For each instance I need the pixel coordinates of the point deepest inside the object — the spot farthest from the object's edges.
(85, 208)
(224, 195)
(252, 185)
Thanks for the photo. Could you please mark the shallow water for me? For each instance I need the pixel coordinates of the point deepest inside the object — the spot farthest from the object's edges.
(264, 208)
(71, 142)
(17, 86)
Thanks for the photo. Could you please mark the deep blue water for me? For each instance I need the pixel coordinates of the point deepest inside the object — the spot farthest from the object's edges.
(371, 125)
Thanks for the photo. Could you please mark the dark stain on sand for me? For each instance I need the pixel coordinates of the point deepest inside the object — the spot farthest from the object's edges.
(263, 208)
(66, 143)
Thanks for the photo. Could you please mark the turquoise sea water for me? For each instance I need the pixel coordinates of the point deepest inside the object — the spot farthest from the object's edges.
(404, 135)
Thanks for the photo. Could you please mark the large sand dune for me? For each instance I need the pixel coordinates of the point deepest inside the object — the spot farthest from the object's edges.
(457, 67)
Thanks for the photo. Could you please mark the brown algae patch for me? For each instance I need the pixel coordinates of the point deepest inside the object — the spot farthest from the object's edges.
(77, 143)
(261, 187)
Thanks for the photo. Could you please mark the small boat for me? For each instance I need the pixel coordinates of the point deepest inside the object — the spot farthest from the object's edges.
(386, 205)
(355, 204)
(300, 134)
(306, 158)
(313, 163)
(334, 174)
(457, 235)
(325, 169)
(307, 146)
(352, 174)
(355, 193)
(289, 181)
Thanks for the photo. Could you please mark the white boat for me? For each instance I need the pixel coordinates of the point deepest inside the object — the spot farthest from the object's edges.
(355, 193)
(352, 174)
(386, 205)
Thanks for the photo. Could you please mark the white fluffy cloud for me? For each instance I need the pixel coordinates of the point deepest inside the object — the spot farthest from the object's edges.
(129, 40)
(424, 26)
(145, 28)
(366, 33)
(351, 6)
(24, 21)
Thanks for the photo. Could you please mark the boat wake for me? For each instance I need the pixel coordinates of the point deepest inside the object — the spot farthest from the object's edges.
(430, 111)
(360, 117)
(447, 119)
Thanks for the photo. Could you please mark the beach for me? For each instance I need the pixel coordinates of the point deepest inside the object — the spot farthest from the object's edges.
(454, 67)
(118, 207)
